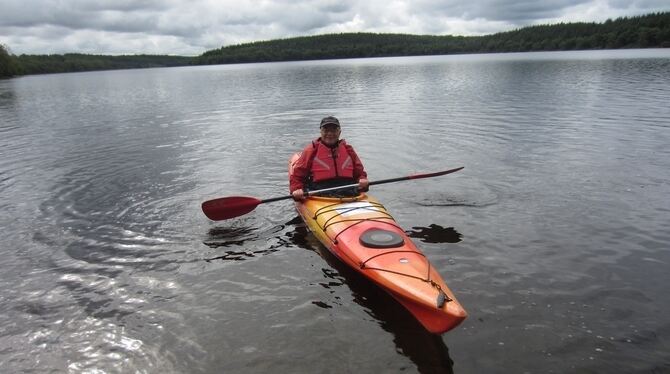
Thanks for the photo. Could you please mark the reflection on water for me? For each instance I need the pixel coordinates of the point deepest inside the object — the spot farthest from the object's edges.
(435, 234)
(426, 350)
(245, 238)
(221, 236)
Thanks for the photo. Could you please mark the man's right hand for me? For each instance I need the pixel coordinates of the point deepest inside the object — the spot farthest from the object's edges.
(298, 195)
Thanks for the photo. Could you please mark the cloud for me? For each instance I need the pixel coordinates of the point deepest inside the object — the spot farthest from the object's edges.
(192, 27)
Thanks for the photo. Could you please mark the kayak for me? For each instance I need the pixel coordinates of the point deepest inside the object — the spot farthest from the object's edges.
(360, 232)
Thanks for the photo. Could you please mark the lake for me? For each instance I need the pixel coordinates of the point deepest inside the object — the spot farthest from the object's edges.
(555, 237)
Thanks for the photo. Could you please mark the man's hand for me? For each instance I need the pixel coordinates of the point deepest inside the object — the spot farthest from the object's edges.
(363, 185)
(298, 195)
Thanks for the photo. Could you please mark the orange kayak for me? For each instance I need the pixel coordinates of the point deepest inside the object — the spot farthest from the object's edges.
(363, 234)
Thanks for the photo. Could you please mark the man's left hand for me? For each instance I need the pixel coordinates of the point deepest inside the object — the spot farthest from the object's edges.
(363, 185)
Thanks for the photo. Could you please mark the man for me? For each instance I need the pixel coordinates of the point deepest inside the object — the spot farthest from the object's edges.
(327, 162)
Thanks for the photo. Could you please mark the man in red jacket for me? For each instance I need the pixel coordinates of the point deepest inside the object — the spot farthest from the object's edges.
(327, 162)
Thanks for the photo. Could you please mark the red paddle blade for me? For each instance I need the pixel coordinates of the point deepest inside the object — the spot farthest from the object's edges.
(229, 207)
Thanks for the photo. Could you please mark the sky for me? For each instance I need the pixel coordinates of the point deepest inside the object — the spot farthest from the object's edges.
(191, 27)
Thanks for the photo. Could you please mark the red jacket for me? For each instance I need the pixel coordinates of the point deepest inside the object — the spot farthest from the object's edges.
(304, 166)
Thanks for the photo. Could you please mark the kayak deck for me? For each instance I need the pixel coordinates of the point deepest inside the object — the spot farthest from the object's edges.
(363, 234)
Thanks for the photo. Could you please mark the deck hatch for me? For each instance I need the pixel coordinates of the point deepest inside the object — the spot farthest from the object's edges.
(379, 238)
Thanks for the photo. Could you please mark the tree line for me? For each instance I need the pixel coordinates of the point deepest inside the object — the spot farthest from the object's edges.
(11, 65)
(8, 64)
(648, 31)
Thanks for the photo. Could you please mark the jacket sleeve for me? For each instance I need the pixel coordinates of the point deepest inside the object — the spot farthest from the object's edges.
(301, 170)
(359, 170)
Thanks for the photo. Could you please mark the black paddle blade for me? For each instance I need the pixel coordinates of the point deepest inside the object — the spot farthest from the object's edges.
(229, 207)
(430, 175)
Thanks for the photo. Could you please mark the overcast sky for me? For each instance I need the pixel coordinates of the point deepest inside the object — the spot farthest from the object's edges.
(182, 27)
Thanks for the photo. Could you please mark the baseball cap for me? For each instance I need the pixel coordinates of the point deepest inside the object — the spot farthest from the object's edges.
(330, 120)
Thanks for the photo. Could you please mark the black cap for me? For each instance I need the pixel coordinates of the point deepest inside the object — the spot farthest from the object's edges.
(330, 120)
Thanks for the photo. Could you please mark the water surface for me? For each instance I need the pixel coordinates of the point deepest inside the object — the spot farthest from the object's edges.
(554, 237)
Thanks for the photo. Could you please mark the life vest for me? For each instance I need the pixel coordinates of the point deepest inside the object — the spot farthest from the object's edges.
(331, 163)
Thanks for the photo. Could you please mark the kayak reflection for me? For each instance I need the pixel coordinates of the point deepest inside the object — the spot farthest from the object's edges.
(243, 238)
(427, 351)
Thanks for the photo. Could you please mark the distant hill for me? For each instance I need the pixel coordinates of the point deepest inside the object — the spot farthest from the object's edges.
(11, 65)
(648, 31)
(37, 64)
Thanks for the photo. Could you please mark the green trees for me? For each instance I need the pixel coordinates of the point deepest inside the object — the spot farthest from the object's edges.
(649, 31)
(70, 62)
(8, 65)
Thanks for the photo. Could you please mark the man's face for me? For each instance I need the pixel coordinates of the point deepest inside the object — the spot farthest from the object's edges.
(330, 134)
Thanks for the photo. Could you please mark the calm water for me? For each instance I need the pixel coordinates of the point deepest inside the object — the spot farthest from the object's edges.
(555, 237)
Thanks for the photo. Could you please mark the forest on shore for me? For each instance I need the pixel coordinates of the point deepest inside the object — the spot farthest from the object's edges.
(647, 31)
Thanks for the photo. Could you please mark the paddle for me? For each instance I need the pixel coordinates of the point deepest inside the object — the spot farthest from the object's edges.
(235, 206)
